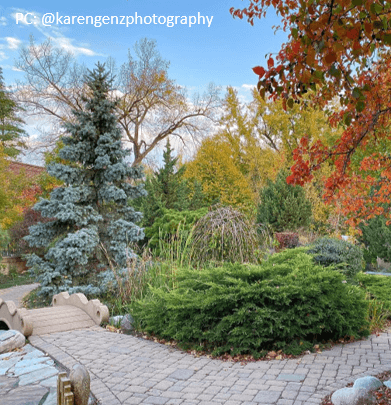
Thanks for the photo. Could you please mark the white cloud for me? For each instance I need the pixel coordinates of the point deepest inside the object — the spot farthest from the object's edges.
(248, 86)
(3, 21)
(13, 43)
(54, 34)
(66, 44)
(3, 55)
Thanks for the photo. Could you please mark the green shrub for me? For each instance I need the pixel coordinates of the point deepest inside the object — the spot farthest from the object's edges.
(5, 239)
(166, 226)
(283, 206)
(238, 308)
(378, 314)
(378, 286)
(376, 236)
(346, 256)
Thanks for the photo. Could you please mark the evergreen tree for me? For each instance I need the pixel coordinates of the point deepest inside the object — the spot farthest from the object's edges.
(283, 206)
(168, 190)
(376, 236)
(93, 223)
(10, 124)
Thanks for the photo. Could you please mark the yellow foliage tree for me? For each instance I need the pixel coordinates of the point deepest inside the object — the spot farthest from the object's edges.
(255, 141)
(222, 181)
(17, 192)
(10, 208)
(282, 129)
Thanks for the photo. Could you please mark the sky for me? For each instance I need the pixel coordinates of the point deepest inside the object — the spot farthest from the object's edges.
(218, 49)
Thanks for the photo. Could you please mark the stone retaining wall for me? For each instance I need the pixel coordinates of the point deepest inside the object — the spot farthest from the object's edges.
(8, 262)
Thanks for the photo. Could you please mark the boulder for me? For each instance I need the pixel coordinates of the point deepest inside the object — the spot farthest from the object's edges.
(10, 340)
(359, 394)
(368, 383)
(352, 396)
(125, 322)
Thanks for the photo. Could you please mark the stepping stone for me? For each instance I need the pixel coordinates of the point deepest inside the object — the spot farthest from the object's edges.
(7, 384)
(32, 361)
(24, 396)
(10, 340)
(19, 371)
(50, 382)
(51, 399)
(37, 376)
(5, 365)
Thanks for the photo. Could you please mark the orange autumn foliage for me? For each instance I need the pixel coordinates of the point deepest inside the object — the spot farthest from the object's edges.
(339, 49)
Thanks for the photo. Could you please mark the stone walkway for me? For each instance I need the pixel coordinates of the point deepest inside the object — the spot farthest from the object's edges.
(17, 293)
(27, 377)
(129, 370)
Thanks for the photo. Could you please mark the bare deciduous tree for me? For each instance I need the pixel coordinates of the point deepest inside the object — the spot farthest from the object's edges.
(151, 108)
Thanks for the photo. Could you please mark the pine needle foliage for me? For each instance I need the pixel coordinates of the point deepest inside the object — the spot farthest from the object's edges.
(93, 224)
(11, 131)
(283, 207)
(168, 190)
(245, 309)
(339, 253)
(376, 236)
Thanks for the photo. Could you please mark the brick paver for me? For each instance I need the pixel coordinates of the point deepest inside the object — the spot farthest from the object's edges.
(129, 370)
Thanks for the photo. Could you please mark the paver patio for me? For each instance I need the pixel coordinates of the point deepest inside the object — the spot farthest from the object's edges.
(129, 370)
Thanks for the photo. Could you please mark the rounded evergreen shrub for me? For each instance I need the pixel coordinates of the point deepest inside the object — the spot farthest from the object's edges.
(284, 303)
(330, 251)
(283, 206)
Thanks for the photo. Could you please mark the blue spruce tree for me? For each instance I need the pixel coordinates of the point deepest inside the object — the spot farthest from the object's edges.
(92, 223)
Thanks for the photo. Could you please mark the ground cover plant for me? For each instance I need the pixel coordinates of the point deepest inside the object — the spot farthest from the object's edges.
(287, 303)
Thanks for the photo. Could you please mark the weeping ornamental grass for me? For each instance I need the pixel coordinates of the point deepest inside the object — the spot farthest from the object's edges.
(224, 235)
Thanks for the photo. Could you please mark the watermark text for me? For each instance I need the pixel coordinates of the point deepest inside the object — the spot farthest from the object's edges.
(50, 19)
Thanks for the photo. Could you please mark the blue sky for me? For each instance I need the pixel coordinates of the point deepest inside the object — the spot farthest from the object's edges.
(223, 53)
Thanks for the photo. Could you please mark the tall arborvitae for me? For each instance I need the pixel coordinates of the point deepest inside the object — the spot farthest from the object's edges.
(11, 133)
(283, 207)
(92, 224)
